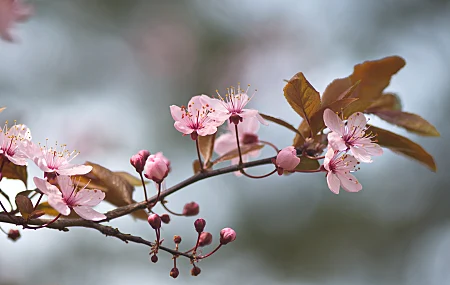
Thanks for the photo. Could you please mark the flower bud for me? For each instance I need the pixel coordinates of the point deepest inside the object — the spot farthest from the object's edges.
(155, 221)
(177, 239)
(165, 218)
(154, 258)
(227, 235)
(205, 239)
(195, 271)
(199, 225)
(287, 159)
(191, 209)
(13, 234)
(174, 272)
(138, 160)
(156, 167)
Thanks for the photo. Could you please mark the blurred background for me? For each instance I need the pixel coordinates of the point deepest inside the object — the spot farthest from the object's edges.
(99, 75)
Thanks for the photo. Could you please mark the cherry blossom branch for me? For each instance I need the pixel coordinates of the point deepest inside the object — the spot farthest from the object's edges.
(64, 224)
(122, 211)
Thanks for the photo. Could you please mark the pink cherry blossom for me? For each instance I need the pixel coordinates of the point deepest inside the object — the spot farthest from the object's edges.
(194, 119)
(69, 198)
(50, 160)
(287, 159)
(247, 131)
(138, 160)
(14, 143)
(12, 11)
(157, 167)
(338, 167)
(351, 136)
(232, 106)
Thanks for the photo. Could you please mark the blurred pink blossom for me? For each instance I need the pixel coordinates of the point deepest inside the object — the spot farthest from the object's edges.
(14, 143)
(12, 11)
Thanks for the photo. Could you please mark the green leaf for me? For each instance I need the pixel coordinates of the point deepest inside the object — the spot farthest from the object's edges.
(402, 145)
(12, 171)
(280, 122)
(302, 97)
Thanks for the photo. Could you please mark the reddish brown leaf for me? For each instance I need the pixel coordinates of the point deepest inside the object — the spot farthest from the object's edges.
(411, 122)
(403, 146)
(234, 153)
(118, 190)
(196, 166)
(12, 171)
(317, 123)
(374, 76)
(387, 101)
(338, 89)
(206, 146)
(302, 97)
(133, 180)
(24, 205)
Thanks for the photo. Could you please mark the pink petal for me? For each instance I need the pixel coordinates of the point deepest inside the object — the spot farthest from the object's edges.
(361, 154)
(88, 213)
(182, 128)
(207, 130)
(46, 187)
(75, 170)
(66, 186)
(58, 204)
(349, 182)
(176, 112)
(333, 182)
(328, 157)
(336, 142)
(6, 19)
(220, 116)
(357, 120)
(333, 122)
(248, 113)
(225, 143)
(249, 126)
(89, 198)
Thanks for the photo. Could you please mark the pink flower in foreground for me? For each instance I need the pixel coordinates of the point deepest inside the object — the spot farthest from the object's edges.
(49, 160)
(338, 167)
(227, 235)
(12, 11)
(69, 198)
(156, 167)
(351, 136)
(14, 143)
(287, 159)
(232, 107)
(247, 131)
(194, 119)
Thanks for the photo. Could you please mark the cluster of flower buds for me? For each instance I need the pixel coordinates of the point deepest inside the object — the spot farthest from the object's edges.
(204, 239)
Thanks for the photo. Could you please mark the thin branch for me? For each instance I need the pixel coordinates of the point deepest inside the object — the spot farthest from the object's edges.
(64, 224)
